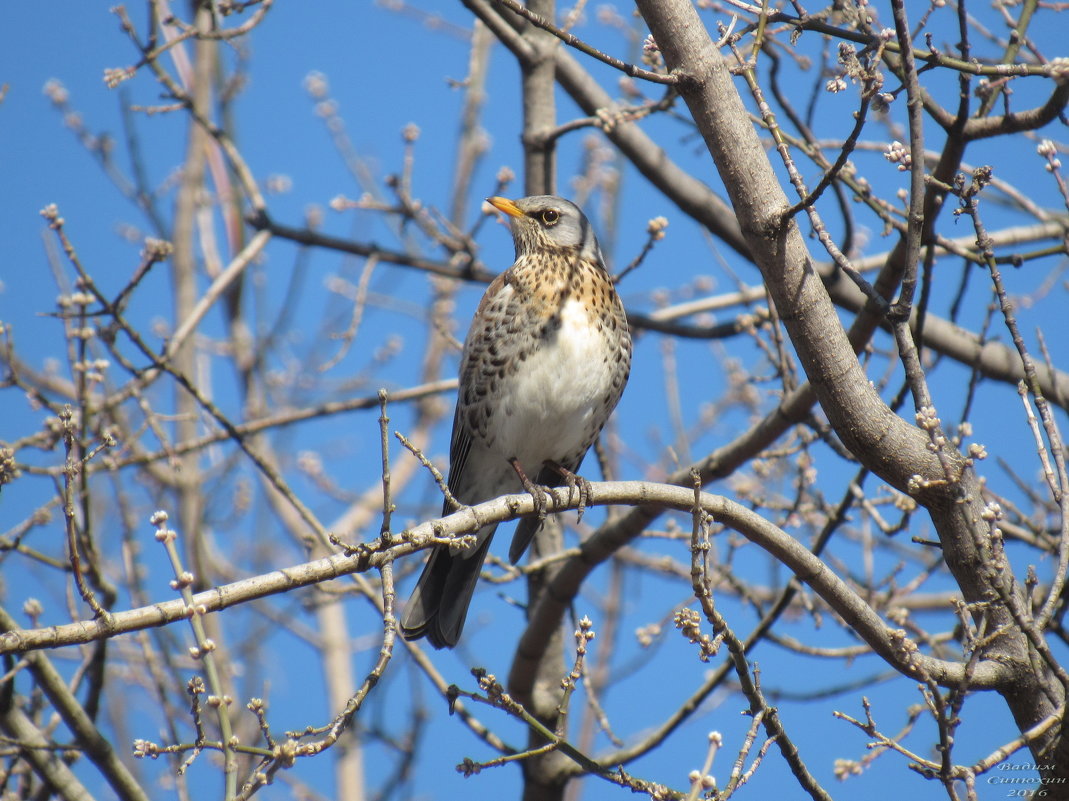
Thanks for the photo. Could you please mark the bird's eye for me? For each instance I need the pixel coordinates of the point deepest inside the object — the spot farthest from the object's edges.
(550, 216)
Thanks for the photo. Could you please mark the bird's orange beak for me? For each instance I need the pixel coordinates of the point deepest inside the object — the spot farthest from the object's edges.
(505, 205)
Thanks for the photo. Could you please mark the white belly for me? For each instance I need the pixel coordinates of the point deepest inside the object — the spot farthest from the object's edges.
(548, 405)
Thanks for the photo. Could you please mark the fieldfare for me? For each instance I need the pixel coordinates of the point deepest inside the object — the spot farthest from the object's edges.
(544, 364)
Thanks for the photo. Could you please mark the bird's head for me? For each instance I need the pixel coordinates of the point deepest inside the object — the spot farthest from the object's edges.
(547, 222)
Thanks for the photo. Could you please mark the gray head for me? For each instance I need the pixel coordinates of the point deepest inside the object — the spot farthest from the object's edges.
(544, 222)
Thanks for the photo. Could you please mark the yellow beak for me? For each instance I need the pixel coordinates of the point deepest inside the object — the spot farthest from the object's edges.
(505, 205)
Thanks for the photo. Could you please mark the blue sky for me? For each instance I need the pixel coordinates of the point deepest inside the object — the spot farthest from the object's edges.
(387, 69)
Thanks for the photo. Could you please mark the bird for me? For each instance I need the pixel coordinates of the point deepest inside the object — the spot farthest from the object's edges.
(543, 366)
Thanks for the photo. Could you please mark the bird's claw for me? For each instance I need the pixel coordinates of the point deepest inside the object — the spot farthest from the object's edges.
(540, 495)
(584, 497)
(574, 481)
(541, 500)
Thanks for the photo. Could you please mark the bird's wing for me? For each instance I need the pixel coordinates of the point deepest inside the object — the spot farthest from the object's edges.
(475, 349)
(459, 448)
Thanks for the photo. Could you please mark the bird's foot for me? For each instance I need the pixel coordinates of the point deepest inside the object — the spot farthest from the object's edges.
(573, 481)
(538, 494)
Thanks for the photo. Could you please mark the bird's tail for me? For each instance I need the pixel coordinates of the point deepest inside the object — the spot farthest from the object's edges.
(439, 604)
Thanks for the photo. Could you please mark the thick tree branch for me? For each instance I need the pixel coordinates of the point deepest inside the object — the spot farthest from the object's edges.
(901, 454)
(886, 642)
